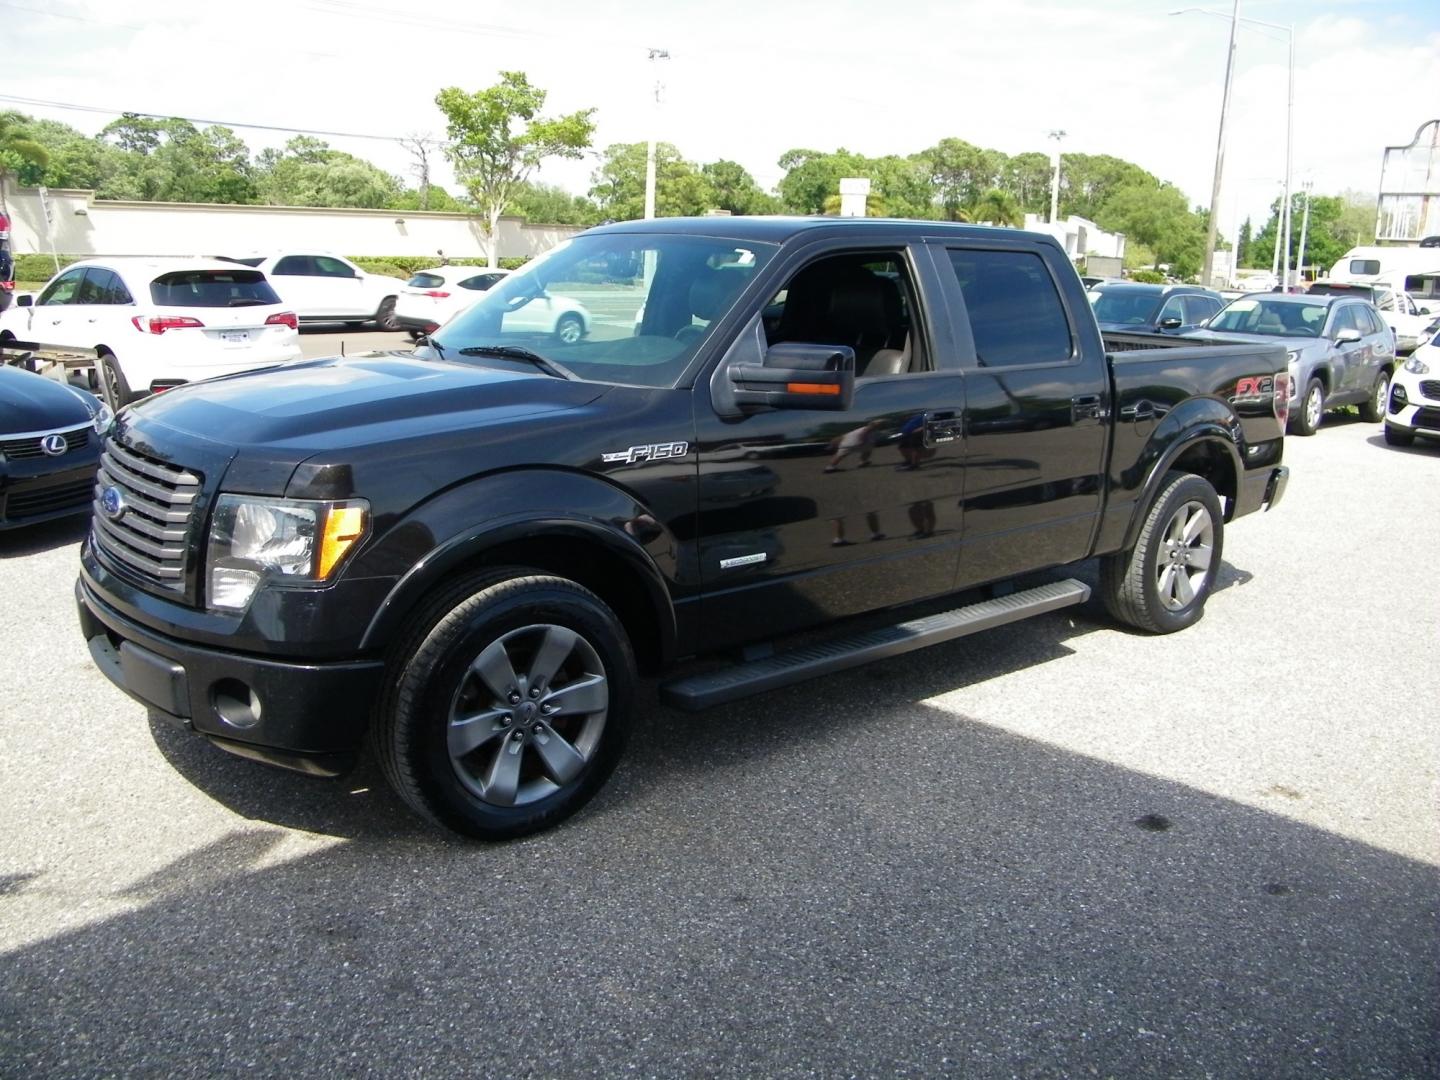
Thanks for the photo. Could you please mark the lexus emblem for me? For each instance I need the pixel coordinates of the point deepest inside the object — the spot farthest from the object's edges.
(112, 503)
(54, 445)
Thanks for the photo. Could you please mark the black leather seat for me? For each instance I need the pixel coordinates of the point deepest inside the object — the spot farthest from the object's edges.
(845, 304)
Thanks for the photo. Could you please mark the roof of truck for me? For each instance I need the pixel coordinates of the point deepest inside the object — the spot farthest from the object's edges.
(778, 229)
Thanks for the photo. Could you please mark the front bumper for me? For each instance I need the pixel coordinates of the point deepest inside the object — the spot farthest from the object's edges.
(304, 716)
(1411, 409)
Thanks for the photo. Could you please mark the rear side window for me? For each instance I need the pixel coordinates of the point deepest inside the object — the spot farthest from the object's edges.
(1015, 311)
(1377, 324)
(1367, 267)
(1200, 308)
(480, 282)
(103, 286)
(212, 288)
(426, 281)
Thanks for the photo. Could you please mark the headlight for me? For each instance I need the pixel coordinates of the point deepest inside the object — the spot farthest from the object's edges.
(103, 419)
(1416, 366)
(254, 539)
(1293, 356)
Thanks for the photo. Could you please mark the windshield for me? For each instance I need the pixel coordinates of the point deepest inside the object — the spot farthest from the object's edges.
(611, 307)
(1273, 318)
(1132, 306)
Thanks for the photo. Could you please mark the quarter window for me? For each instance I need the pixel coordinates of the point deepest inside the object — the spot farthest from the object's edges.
(325, 266)
(1199, 308)
(1015, 311)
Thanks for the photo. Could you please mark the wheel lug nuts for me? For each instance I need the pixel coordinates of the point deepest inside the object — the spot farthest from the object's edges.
(535, 691)
(518, 736)
(514, 697)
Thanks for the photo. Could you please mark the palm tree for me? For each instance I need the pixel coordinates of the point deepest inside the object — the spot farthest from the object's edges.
(874, 205)
(998, 207)
(17, 149)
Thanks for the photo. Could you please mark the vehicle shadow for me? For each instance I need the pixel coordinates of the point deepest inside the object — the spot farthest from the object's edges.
(1421, 446)
(915, 894)
(46, 536)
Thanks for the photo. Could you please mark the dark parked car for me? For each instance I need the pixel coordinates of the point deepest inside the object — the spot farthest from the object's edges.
(50, 436)
(1134, 306)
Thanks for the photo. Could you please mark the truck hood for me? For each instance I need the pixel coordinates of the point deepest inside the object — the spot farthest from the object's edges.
(363, 400)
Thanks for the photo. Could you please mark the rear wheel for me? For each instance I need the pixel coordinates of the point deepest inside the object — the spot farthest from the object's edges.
(1397, 436)
(1162, 583)
(1305, 420)
(570, 329)
(1373, 410)
(385, 315)
(120, 390)
(510, 706)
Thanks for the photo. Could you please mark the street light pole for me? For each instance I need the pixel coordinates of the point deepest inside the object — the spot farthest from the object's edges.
(1304, 230)
(1282, 223)
(1057, 135)
(1207, 275)
(655, 54)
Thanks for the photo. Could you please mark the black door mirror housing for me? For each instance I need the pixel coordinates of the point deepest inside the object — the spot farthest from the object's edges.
(1172, 323)
(797, 375)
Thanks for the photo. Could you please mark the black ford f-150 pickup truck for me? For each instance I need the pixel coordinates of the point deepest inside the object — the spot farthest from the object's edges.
(468, 552)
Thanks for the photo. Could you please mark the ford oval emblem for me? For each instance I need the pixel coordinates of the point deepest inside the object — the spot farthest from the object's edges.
(112, 503)
(54, 445)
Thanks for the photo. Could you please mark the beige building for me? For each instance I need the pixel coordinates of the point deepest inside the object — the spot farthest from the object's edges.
(74, 222)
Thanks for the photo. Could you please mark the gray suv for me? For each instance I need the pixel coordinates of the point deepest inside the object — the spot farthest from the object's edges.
(1341, 351)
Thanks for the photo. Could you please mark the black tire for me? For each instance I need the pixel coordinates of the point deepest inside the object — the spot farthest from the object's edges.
(1395, 436)
(569, 329)
(119, 386)
(385, 315)
(490, 790)
(1372, 411)
(1142, 586)
(1309, 409)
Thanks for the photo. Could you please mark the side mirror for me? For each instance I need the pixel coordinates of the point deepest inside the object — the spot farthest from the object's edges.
(795, 375)
(1172, 323)
(1422, 311)
(25, 300)
(1347, 336)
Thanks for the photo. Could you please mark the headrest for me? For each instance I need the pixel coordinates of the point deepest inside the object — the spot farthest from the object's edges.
(712, 290)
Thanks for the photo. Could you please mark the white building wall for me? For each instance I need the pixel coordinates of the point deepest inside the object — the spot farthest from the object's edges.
(82, 225)
(1079, 237)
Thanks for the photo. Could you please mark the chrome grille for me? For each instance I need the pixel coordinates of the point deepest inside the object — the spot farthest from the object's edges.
(1430, 388)
(28, 446)
(147, 540)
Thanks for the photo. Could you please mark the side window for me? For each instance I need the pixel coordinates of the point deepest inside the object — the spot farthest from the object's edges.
(1345, 320)
(1015, 311)
(1377, 324)
(102, 286)
(294, 266)
(860, 299)
(1172, 310)
(325, 266)
(63, 289)
(478, 283)
(1199, 308)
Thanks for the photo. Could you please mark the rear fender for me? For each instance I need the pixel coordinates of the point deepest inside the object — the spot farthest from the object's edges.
(1206, 425)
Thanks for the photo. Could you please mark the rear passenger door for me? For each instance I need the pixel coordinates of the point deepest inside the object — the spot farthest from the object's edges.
(1037, 406)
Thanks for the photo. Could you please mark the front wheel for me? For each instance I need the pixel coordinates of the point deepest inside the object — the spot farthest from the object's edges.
(570, 329)
(120, 391)
(1373, 410)
(1306, 419)
(511, 705)
(1162, 583)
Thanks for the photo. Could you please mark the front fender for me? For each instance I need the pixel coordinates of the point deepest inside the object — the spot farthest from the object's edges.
(457, 528)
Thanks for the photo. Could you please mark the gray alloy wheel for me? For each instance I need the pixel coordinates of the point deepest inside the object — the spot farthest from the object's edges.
(570, 329)
(1373, 410)
(528, 716)
(1187, 552)
(1305, 420)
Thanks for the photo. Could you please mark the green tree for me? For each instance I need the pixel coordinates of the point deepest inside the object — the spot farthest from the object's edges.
(1157, 215)
(1088, 181)
(498, 138)
(812, 176)
(1243, 244)
(875, 205)
(1027, 176)
(17, 149)
(433, 198)
(733, 188)
(618, 185)
(308, 172)
(550, 205)
(998, 207)
(962, 174)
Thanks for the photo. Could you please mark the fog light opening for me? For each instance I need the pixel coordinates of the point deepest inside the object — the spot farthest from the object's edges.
(235, 703)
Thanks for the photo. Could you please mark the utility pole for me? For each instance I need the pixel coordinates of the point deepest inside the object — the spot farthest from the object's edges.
(1207, 275)
(1289, 150)
(655, 54)
(1057, 135)
(1304, 229)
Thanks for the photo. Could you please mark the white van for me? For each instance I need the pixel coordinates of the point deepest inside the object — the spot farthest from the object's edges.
(1413, 270)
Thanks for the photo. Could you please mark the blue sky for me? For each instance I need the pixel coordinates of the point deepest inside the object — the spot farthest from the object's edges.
(750, 79)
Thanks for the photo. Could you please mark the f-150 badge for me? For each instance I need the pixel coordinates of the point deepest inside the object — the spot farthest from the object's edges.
(649, 452)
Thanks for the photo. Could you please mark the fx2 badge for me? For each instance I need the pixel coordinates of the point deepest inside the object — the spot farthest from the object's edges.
(650, 452)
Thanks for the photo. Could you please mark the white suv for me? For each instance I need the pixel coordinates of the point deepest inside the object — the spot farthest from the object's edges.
(157, 323)
(321, 287)
(1414, 406)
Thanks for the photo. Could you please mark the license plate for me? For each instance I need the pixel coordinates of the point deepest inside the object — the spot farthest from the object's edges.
(235, 337)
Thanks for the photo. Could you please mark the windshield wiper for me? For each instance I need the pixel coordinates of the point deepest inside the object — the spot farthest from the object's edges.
(515, 352)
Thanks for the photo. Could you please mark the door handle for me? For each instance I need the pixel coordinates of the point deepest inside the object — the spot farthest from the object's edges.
(1086, 407)
(1141, 410)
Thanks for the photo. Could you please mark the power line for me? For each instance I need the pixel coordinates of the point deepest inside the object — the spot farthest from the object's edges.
(43, 103)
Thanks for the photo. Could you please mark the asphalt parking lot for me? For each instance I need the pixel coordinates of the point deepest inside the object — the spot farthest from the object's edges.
(1056, 849)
